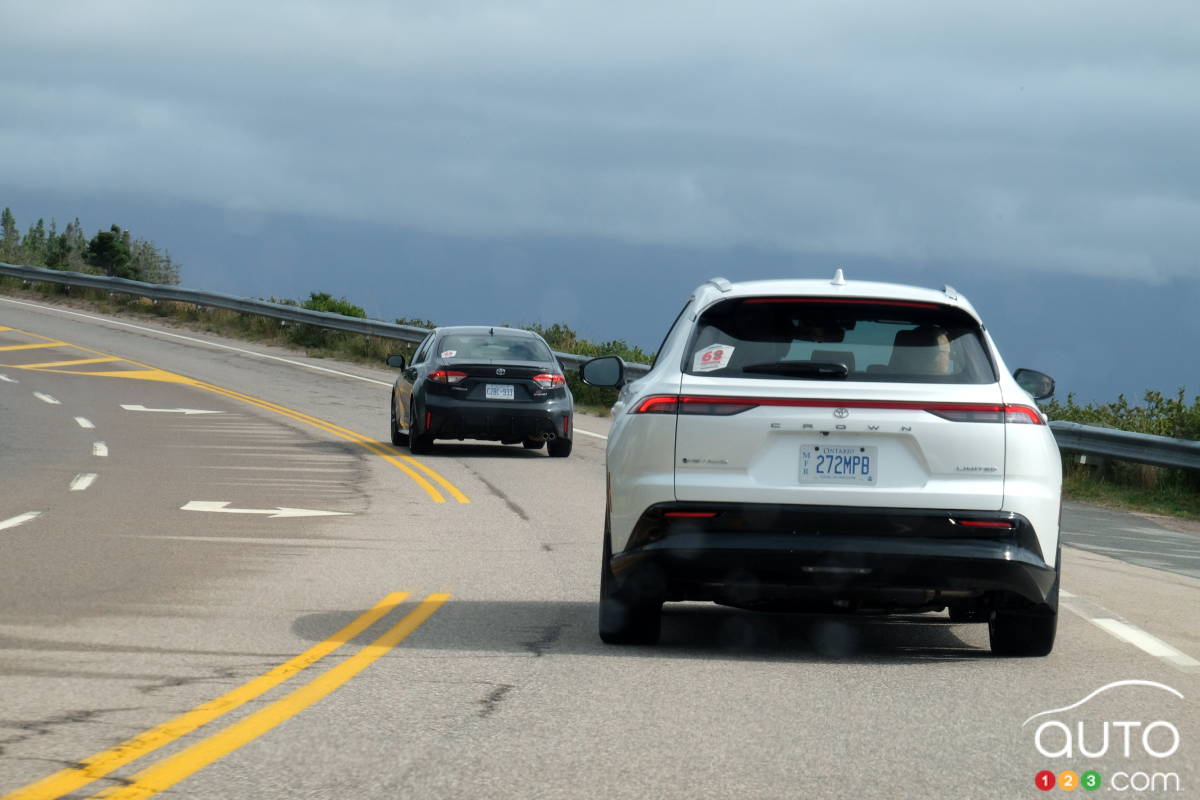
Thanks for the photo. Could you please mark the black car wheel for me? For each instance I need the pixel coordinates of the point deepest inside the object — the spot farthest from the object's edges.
(398, 437)
(560, 448)
(419, 442)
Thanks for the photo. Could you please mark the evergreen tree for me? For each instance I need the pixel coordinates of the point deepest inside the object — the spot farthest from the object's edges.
(33, 247)
(73, 246)
(108, 251)
(10, 237)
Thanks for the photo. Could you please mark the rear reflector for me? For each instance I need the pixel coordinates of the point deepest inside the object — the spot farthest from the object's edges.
(691, 514)
(985, 523)
(727, 406)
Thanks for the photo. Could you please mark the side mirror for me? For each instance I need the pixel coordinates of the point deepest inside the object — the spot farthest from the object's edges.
(396, 360)
(1039, 385)
(604, 371)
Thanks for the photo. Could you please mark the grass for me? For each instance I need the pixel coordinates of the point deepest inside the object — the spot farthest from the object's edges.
(1150, 491)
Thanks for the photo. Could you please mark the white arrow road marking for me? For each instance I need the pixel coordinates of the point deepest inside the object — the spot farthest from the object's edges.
(83, 481)
(274, 513)
(84, 422)
(45, 398)
(171, 410)
(18, 520)
(100, 449)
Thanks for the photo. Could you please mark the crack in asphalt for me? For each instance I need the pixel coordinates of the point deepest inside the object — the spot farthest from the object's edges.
(548, 635)
(491, 704)
(31, 729)
(76, 765)
(220, 675)
(498, 492)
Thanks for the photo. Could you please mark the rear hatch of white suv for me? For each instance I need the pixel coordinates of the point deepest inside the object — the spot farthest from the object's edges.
(849, 402)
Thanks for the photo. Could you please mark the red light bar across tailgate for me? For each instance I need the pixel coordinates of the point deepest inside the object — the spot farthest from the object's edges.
(727, 406)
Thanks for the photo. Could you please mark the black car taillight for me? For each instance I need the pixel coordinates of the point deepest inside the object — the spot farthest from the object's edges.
(446, 376)
(549, 380)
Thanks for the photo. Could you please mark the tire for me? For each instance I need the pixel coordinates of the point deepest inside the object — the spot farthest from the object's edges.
(622, 621)
(1026, 632)
(559, 448)
(530, 444)
(419, 443)
(398, 438)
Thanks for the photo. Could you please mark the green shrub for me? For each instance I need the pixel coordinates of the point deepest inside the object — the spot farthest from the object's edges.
(1158, 415)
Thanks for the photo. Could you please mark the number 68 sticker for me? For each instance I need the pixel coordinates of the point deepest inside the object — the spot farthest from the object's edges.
(713, 357)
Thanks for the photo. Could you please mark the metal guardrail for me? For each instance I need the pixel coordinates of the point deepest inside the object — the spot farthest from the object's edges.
(245, 305)
(1144, 448)
(1072, 437)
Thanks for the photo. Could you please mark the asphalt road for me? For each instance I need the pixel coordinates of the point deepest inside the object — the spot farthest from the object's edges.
(265, 600)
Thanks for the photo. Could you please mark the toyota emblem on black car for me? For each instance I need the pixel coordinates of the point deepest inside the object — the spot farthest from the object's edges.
(841, 413)
(500, 370)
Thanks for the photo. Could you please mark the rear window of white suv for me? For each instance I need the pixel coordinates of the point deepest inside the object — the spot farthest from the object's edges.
(823, 338)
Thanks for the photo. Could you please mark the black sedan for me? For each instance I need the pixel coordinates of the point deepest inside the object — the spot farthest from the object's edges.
(497, 384)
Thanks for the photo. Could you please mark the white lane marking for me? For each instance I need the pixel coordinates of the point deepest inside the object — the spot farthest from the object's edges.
(1127, 632)
(20, 519)
(186, 411)
(265, 540)
(241, 350)
(7, 379)
(199, 341)
(274, 513)
(83, 481)
(1146, 642)
(84, 422)
(1180, 554)
(100, 449)
(45, 398)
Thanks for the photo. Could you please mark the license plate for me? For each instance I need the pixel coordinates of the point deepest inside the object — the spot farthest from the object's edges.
(498, 391)
(846, 464)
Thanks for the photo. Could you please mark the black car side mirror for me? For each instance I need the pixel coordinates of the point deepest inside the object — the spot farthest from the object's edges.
(604, 371)
(396, 360)
(1038, 384)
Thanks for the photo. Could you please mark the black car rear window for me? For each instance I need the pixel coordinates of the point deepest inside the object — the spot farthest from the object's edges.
(498, 347)
(838, 339)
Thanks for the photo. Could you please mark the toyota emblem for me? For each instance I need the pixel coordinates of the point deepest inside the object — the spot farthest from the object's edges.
(841, 413)
(499, 370)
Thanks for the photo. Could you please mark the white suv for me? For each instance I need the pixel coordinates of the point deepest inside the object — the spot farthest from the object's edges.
(831, 446)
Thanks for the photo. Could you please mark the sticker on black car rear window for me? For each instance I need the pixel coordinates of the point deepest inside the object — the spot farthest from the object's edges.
(449, 353)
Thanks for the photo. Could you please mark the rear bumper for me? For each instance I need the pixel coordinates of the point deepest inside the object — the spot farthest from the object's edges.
(846, 556)
(450, 418)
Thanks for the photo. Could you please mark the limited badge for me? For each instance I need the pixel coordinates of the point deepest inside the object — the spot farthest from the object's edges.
(713, 357)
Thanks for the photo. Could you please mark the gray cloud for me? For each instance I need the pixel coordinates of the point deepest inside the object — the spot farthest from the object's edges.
(1020, 135)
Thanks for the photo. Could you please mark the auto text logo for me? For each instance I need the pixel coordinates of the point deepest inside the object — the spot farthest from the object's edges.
(1075, 739)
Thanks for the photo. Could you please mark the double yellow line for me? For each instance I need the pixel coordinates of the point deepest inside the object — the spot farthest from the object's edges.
(169, 771)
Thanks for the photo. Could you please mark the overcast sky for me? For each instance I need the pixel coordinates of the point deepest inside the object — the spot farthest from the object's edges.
(956, 140)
